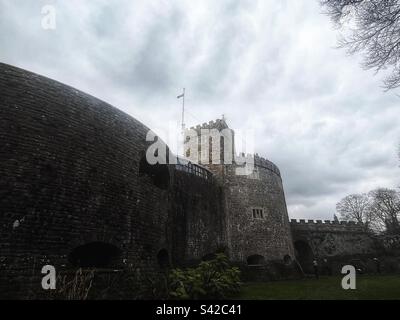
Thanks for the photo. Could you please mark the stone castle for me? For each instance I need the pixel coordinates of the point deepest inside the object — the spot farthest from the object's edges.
(77, 191)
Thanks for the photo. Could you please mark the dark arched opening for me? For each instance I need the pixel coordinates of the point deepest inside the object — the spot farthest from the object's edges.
(255, 260)
(94, 255)
(163, 259)
(209, 257)
(158, 173)
(287, 259)
(304, 255)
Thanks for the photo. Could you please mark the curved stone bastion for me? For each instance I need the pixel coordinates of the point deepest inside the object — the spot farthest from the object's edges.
(76, 189)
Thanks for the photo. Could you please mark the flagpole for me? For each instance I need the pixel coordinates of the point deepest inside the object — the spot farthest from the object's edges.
(183, 112)
(183, 119)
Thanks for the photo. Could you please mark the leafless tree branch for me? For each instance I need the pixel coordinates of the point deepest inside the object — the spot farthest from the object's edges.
(372, 28)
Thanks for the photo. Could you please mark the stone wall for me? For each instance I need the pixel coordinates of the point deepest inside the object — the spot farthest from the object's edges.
(390, 244)
(267, 235)
(196, 219)
(251, 239)
(76, 190)
(70, 177)
(331, 240)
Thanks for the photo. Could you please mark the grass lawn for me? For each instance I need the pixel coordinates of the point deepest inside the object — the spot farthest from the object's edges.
(326, 288)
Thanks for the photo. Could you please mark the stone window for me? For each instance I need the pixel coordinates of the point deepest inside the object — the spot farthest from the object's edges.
(258, 213)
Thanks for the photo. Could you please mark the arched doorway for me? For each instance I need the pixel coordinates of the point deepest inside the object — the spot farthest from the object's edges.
(163, 259)
(287, 259)
(209, 257)
(255, 260)
(304, 255)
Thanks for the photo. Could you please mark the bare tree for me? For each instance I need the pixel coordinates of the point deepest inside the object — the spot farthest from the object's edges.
(385, 210)
(354, 207)
(373, 28)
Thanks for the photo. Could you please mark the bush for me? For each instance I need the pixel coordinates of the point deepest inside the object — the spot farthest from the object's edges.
(214, 279)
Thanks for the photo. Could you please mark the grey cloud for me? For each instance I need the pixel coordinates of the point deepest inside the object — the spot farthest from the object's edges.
(267, 65)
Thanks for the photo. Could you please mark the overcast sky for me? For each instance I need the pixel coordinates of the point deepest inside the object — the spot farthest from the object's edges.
(267, 65)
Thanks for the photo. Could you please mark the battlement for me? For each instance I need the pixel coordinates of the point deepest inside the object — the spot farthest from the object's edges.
(326, 225)
(266, 164)
(261, 162)
(217, 124)
(326, 222)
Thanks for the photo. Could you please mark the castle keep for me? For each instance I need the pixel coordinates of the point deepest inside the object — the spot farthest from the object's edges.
(255, 208)
(76, 191)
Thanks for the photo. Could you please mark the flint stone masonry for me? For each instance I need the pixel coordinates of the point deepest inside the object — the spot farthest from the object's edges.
(327, 225)
(197, 218)
(331, 240)
(71, 176)
(390, 244)
(268, 237)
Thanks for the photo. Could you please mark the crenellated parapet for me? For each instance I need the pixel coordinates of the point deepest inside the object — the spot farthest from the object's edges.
(266, 164)
(217, 124)
(220, 125)
(327, 225)
(330, 222)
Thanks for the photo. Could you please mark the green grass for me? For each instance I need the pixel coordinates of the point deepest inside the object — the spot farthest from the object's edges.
(326, 288)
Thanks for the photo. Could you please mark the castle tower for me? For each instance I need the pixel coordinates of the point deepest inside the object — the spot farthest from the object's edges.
(211, 145)
(256, 213)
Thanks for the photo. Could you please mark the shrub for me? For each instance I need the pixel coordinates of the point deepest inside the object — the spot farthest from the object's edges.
(213, 279)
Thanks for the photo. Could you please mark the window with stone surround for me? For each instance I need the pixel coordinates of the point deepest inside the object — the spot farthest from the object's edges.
(258, 213)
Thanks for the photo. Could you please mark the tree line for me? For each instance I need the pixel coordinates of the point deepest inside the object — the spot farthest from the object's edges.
(378, 209)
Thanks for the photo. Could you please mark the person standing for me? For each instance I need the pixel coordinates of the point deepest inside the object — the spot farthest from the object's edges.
(315, 265)
(326, 269)
(377, 265)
